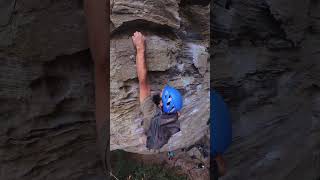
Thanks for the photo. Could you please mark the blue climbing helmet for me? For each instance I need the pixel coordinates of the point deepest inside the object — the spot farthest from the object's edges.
(171, 100)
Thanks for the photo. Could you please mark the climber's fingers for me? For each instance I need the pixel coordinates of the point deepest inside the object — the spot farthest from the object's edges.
(137, 33)
(138, 40)
(138, 36)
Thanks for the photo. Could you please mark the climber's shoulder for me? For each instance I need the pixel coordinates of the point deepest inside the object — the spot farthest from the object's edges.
(148, 109)
(147, 105)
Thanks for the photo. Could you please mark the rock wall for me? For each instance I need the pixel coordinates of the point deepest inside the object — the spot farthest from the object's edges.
(265, 63)
(46, 81)
(47, 126)
(177, 39)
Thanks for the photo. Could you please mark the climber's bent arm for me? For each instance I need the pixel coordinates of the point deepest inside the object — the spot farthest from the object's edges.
(138, 41)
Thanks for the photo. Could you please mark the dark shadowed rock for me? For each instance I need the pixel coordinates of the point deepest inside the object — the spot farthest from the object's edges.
(45, 29)
(46, 92)
(278, 44)
(264, 60)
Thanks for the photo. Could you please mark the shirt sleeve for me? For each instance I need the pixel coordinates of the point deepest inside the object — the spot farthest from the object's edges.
(148, 109)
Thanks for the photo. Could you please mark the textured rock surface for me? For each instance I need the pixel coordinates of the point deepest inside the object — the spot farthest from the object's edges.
(160, 12)
(265, 60)
(46, 92)
(265, 65)
(176, 52)
(46, 83)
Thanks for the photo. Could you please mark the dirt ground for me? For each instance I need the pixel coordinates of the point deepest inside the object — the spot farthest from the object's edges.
(187, 161)
(185, 164)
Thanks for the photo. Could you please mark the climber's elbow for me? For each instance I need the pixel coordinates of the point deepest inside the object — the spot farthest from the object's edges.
(143, 84)
(144, 90)
(142, 75)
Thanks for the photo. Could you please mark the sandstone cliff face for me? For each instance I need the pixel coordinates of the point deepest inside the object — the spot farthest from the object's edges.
(47, 127)
(46, 81)
(177, 39)
(265, 63)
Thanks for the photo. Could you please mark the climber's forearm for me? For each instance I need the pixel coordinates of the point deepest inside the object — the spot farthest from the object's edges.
(141, 67)
(142, 75)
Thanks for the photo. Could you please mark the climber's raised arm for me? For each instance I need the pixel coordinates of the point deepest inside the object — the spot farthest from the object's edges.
(139, 43)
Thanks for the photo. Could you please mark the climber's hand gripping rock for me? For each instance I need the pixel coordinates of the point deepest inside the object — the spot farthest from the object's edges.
(139, 41)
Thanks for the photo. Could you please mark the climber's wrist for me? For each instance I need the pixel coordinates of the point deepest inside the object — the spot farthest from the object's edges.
(140, 51)
(140, 57)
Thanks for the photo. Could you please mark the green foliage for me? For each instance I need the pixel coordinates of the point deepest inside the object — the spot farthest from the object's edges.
(124, 167)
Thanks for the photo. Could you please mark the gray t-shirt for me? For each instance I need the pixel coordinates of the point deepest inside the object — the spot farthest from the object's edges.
(148, 109)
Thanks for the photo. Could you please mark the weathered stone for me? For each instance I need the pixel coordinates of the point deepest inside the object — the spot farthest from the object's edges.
(196, 20)
(200, 57)
(278, 44)
(47, 91)
(182, 61)
(46, 109)
(47, 118)
(271, 94)
(162, 57)
(46, 98)
(35, 29)
(293, 17)
(6, 37)
(314, 9)
(6, 12)
(196, 153)
(161, 54)
(221, 21)
(160, 12)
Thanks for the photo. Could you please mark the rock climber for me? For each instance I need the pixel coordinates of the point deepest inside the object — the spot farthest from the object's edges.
(161, 111)
(220, 134)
